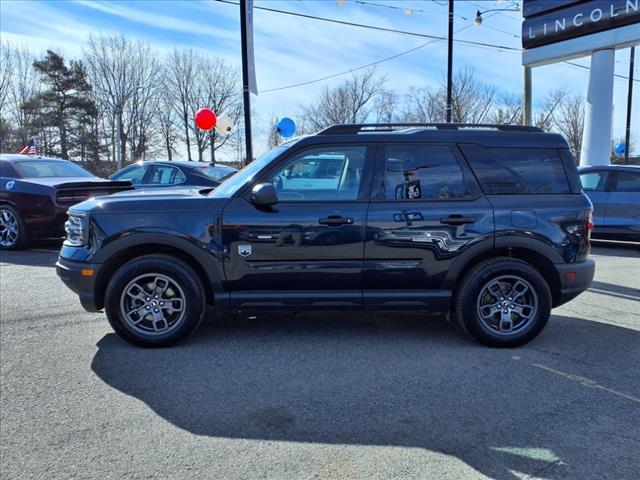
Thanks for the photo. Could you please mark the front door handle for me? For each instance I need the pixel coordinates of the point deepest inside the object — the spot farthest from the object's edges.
(457, 220)
(335, 221)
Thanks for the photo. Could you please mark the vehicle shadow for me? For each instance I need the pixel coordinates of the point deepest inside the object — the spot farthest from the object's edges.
(29, 258)
(397, 380)
(619, 291)
(617, 249)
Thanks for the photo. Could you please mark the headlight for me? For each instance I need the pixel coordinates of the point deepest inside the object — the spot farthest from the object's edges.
(77, 229)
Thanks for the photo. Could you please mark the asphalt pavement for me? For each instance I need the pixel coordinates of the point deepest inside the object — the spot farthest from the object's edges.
(328, 395)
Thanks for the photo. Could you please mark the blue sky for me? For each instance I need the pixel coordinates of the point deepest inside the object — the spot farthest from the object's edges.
(291, 50)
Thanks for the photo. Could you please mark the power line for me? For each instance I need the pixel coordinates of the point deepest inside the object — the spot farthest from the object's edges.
(433, 38)
(370, 27)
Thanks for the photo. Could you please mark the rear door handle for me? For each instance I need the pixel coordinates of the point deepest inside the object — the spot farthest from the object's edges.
(457, 220)
(335, 221)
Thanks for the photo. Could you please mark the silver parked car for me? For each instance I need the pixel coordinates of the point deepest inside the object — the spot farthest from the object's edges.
(614, 191)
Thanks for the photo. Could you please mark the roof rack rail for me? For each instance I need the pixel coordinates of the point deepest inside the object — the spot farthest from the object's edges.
(353, 128)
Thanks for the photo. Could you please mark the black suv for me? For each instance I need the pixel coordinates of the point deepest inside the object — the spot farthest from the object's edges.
(488, 222)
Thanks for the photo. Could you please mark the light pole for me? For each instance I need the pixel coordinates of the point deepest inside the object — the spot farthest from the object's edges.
(449, 61)
(118, 114)
(629, 100)
(526, 97)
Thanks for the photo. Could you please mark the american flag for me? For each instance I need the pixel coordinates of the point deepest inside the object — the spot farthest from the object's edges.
(29, 148)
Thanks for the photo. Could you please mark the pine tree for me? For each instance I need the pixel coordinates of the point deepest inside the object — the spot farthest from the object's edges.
(65, 104)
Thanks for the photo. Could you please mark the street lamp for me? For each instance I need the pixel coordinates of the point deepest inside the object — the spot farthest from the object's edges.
(526, 98)
(478, 20)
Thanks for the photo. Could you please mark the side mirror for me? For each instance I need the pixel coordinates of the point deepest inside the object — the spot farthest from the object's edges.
(264, 195)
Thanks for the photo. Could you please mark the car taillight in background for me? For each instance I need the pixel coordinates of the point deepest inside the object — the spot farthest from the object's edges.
(587, 224)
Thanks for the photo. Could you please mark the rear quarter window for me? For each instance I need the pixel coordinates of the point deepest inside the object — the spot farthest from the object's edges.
(513, 171)
(627, 182)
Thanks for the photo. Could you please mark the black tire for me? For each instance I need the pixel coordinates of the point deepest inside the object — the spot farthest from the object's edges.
(494, 272)
(22, 240)
(181, 282)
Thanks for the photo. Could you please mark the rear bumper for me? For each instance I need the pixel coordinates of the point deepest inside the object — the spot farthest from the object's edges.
(575, 278)
(71, 275)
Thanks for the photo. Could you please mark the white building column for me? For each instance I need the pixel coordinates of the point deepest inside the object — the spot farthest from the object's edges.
(596, 138)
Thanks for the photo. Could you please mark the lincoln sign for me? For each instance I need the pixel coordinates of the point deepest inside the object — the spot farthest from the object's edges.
(548, 21)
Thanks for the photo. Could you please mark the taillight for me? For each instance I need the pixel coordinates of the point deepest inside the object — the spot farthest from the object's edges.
(587, 223)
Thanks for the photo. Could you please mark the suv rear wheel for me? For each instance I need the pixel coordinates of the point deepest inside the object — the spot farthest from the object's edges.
(503, 302)
(155, 301)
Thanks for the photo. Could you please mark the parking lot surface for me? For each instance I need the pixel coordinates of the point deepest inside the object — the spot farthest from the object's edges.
(328, 395)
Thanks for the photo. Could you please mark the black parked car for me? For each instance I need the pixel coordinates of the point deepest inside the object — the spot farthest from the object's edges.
(35, 193)
(174, 174)
(489, 222)
(614, 191)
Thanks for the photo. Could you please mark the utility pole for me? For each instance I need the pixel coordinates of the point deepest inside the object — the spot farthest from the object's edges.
(527, 117)
(450, 61)
(118, 114)
(629, 98)
(245, 82)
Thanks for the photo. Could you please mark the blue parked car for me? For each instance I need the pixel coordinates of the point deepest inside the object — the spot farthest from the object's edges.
(614, 191)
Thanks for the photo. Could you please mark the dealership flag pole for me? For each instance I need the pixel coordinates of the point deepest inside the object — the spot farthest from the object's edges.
(629, 99)
(450, 61)
(248, 71)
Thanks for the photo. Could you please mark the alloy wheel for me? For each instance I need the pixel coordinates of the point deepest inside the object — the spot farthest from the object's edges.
(507, 304)
(153, 304)
(8, 228)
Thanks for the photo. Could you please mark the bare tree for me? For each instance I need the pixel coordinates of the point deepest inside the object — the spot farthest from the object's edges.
(25, 84)
(181, 69)
(116, 67)
(507, 110)
(6, 73)
(168, 125)
(350, 102)
(224, 97)
(472, 99)
(423, 104)
(273, 138)
(563, 113)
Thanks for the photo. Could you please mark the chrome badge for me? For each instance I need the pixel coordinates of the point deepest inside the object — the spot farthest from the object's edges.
(244, 250)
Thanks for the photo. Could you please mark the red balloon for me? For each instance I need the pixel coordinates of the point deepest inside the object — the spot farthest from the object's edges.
(205, 119)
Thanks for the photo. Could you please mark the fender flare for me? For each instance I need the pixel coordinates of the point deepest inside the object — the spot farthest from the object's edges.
(512, 240)
(206, 258)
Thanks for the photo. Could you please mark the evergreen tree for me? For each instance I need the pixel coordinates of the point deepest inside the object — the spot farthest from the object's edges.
(64, 104)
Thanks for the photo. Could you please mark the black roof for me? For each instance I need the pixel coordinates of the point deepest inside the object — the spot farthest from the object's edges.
(515, 136)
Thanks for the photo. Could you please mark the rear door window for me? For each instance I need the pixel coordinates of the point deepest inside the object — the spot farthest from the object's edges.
(422, 172)
(517, 170)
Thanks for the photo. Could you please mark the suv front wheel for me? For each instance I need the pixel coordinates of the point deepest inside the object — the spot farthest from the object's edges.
(155, 301)
(503, 302)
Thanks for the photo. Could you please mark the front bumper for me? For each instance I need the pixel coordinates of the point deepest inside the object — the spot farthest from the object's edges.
(575, 278)
(70, 273)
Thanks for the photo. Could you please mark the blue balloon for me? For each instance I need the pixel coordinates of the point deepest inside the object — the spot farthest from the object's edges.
(286, 127)
(620, 148)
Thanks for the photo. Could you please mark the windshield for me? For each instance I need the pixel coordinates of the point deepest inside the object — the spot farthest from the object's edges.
(231, 185)
(48, 168)
(218, 172)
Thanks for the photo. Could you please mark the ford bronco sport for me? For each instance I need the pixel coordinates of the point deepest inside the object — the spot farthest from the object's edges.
(488, 222)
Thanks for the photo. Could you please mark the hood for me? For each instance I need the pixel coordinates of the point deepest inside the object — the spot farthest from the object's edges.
(156, 200)
(163, 192)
